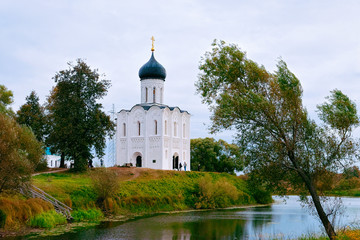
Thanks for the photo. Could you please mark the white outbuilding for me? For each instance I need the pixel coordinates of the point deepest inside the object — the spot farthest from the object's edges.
(152, 134)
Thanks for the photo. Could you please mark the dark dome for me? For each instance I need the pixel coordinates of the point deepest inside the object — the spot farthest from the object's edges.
(152, 70)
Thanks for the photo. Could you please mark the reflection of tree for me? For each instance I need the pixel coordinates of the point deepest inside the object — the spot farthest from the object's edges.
(261, 216)
(216, 228)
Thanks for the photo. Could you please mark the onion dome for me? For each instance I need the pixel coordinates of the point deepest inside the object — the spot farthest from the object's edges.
(152, 70)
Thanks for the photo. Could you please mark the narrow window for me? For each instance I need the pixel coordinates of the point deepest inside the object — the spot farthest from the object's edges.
(146, 94)
(165, 127)
(155, 127)
(175, 130)
(124, 129)
(154, 100)
(184, 130)
(161, 95)
(139, 128)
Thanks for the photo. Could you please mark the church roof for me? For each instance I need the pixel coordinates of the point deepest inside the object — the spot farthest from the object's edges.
(152, 70)
(147, 106)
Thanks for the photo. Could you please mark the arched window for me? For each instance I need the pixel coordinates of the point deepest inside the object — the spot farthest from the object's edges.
(184, 130)
(146, 94)
(155, 127)
(154, 99)
(139, 128)
(175, 130)
(124, 129)
(165, 127)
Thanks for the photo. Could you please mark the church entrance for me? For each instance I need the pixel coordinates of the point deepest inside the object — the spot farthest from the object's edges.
(175, 162)
(138, 161)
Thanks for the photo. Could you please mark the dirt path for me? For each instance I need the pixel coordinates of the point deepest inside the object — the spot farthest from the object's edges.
(51, 171)
(135, 172)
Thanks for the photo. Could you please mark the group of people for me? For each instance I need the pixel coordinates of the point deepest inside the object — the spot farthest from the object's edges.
(181, 165)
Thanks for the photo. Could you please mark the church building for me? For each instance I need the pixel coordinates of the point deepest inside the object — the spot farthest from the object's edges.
(152, 134)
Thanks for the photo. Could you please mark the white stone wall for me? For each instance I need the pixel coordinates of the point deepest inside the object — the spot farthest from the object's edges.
(148, 86)
(159, 145)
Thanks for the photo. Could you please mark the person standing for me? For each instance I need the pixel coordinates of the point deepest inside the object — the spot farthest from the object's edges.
(180, 166)
(185, 166)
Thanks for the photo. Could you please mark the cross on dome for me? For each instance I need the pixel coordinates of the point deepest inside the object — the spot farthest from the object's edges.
(152, 44)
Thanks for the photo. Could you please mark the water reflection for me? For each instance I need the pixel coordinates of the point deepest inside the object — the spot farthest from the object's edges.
(279, 220)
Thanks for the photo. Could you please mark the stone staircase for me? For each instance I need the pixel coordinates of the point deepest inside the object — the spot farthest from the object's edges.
(31, 191)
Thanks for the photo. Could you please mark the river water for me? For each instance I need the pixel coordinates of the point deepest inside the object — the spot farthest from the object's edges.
(285, 220)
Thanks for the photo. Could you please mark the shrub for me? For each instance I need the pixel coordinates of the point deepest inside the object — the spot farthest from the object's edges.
(41, 166)
(347, 184)
(351, 172)
(105, 183)
(47, 219)
(216, 195)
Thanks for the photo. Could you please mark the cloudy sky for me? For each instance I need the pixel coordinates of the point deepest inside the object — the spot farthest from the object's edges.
(319, 40)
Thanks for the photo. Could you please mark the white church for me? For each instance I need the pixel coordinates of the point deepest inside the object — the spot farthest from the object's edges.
(152, 134)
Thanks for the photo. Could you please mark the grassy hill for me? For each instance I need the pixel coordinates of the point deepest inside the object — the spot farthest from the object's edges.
(128, 192)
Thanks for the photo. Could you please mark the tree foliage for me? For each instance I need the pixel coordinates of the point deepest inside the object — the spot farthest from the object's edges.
(210, 155)
(20, 153)
(32, 115)
(6, 98)
(278, 139)
(77, 123)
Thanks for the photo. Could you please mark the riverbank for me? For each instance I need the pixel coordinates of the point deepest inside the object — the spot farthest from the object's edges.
(280, 221)
(137, 192)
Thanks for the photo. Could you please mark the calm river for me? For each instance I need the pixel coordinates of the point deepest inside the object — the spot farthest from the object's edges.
(288, 220)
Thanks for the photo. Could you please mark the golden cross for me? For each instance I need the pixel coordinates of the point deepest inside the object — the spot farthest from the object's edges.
(153, 40)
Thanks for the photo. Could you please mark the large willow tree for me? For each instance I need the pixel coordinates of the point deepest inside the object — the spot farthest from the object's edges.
(279, 141)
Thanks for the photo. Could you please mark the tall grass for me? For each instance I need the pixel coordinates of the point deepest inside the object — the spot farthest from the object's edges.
(19, 211)
(47, 219)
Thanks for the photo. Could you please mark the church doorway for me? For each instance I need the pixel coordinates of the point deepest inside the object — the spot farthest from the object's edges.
(138, 161)
(176, 161)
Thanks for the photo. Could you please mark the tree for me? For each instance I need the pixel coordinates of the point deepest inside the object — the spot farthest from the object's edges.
(6, 98)
(278, 139)
(77, 124)
(32, 115)
(215, 156)
(20, 153)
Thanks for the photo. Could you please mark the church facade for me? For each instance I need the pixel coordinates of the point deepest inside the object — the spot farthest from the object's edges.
(152, 134)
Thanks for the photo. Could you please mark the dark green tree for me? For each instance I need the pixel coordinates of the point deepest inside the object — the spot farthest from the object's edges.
(215, 156)
(32, 115)
(77, 124)
(279, 141)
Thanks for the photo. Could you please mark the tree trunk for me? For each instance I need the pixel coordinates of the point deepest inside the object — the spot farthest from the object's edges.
(80, 164)
(62, 160)
(320, 210)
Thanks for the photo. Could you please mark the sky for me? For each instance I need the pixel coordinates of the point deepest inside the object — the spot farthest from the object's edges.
(319, 40)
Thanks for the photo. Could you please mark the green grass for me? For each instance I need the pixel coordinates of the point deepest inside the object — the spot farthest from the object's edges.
(92, 215)
(151, 192)
(47, 219)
